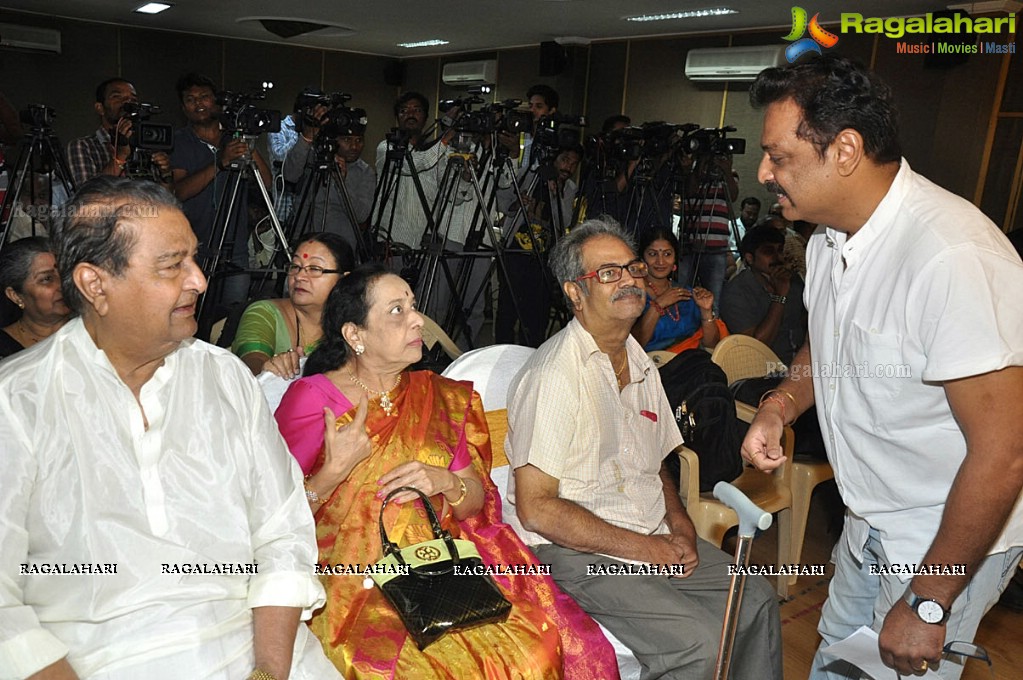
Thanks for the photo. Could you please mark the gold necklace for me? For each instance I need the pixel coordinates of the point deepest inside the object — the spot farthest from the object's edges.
(621, 369)
(26, 332)
(385, 397)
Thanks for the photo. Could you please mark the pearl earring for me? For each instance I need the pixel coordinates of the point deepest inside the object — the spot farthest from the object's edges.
(359, 349)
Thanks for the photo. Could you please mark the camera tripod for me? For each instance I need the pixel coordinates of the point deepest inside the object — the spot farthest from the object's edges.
(41, 145)
(461, 190)
(521, 237)
(700, 209)
(321, 177)
(229, 214)
(388, 192)
(649, 185)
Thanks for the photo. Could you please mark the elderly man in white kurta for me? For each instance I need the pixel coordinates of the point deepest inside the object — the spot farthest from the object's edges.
(153, 523)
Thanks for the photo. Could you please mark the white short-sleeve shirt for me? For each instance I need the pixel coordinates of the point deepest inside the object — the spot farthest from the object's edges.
(567, 417)
(928, 290)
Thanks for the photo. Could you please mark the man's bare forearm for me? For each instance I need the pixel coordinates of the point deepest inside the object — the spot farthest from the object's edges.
(60, 670)
(187, 186)
(573, 526)
(767, 330)
(677, 518)
(799, 382)
(968, 528)
(274, 638)
(989, 409)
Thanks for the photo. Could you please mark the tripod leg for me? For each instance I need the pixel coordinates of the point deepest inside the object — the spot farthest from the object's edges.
(211, 263)
(13, 196)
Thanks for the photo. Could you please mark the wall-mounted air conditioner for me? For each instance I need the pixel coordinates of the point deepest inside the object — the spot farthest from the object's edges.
(718, 64)
(30, 38)
(470, 72)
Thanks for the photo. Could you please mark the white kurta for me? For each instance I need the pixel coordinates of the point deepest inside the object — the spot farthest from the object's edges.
(83, 482)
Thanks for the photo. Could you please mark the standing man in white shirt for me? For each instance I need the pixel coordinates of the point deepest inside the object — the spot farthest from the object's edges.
(122, 439)
(916, 339)
(404, 216)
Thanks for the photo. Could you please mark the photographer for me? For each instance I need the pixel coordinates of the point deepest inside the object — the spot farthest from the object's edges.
(542, 101)
(329, 213)
(711, 189)
(548, 213)
(429, 159)
(629, 176)
(202, 151)
(106, 151)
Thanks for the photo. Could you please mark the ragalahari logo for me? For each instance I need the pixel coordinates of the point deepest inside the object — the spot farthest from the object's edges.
(818, 36)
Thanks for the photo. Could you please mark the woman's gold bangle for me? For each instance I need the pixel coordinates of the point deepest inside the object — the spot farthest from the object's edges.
(463, 491)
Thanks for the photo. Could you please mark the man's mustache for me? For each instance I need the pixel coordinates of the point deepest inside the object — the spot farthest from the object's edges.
(624, 292)
(775, 188)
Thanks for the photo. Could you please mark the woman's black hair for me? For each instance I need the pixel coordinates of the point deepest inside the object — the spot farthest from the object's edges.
(344, 258)
(661, 234)
(348, 302)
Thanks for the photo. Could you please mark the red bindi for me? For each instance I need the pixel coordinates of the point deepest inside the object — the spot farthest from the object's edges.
(305, 256)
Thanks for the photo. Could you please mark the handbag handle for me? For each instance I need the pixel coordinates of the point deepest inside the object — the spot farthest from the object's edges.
(392, 548)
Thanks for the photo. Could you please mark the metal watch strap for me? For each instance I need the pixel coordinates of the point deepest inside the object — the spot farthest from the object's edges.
(780, 299)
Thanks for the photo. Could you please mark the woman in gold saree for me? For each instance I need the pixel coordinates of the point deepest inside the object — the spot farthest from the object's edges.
(399, 428)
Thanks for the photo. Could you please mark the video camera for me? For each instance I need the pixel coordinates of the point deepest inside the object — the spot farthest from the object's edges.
(496, 117)
(38, 116)
(558, 131)
(648, 140)
(398, 140)
(146, 135)
(341, 120)
(713, 142)
(239, 116)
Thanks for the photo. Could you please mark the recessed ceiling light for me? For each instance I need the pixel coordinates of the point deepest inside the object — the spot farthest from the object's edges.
(152, 8)
(688, 14)
(424, 43)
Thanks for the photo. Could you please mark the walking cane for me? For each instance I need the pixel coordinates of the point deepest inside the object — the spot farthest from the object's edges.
(751, 518)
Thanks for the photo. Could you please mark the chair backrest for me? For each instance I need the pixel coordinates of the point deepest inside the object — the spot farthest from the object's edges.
(743, 356)
(779, 481)
(661, 357)
(433, 334)
(491, 370)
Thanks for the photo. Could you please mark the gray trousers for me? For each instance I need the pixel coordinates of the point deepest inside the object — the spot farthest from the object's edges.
(673, 625)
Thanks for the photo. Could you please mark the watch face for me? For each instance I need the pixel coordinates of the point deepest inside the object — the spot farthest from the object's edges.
(930, 611)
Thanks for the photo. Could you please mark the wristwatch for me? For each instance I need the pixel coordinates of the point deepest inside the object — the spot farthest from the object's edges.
(929, 611)
(780, 299)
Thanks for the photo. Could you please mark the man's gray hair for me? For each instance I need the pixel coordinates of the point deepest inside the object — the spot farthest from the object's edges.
(566, 260)
(90, 227)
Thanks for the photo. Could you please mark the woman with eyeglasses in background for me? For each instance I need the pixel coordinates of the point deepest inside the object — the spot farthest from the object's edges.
(273, 335)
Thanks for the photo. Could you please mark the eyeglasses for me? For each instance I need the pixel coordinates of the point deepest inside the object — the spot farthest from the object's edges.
(610, 273)
(312, 270)
(969, 650)
(407, 110)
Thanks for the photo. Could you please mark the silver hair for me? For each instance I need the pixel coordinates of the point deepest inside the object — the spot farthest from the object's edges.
(566, 259)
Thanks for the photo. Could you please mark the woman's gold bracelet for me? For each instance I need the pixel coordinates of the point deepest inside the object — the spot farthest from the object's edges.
(463, 492)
